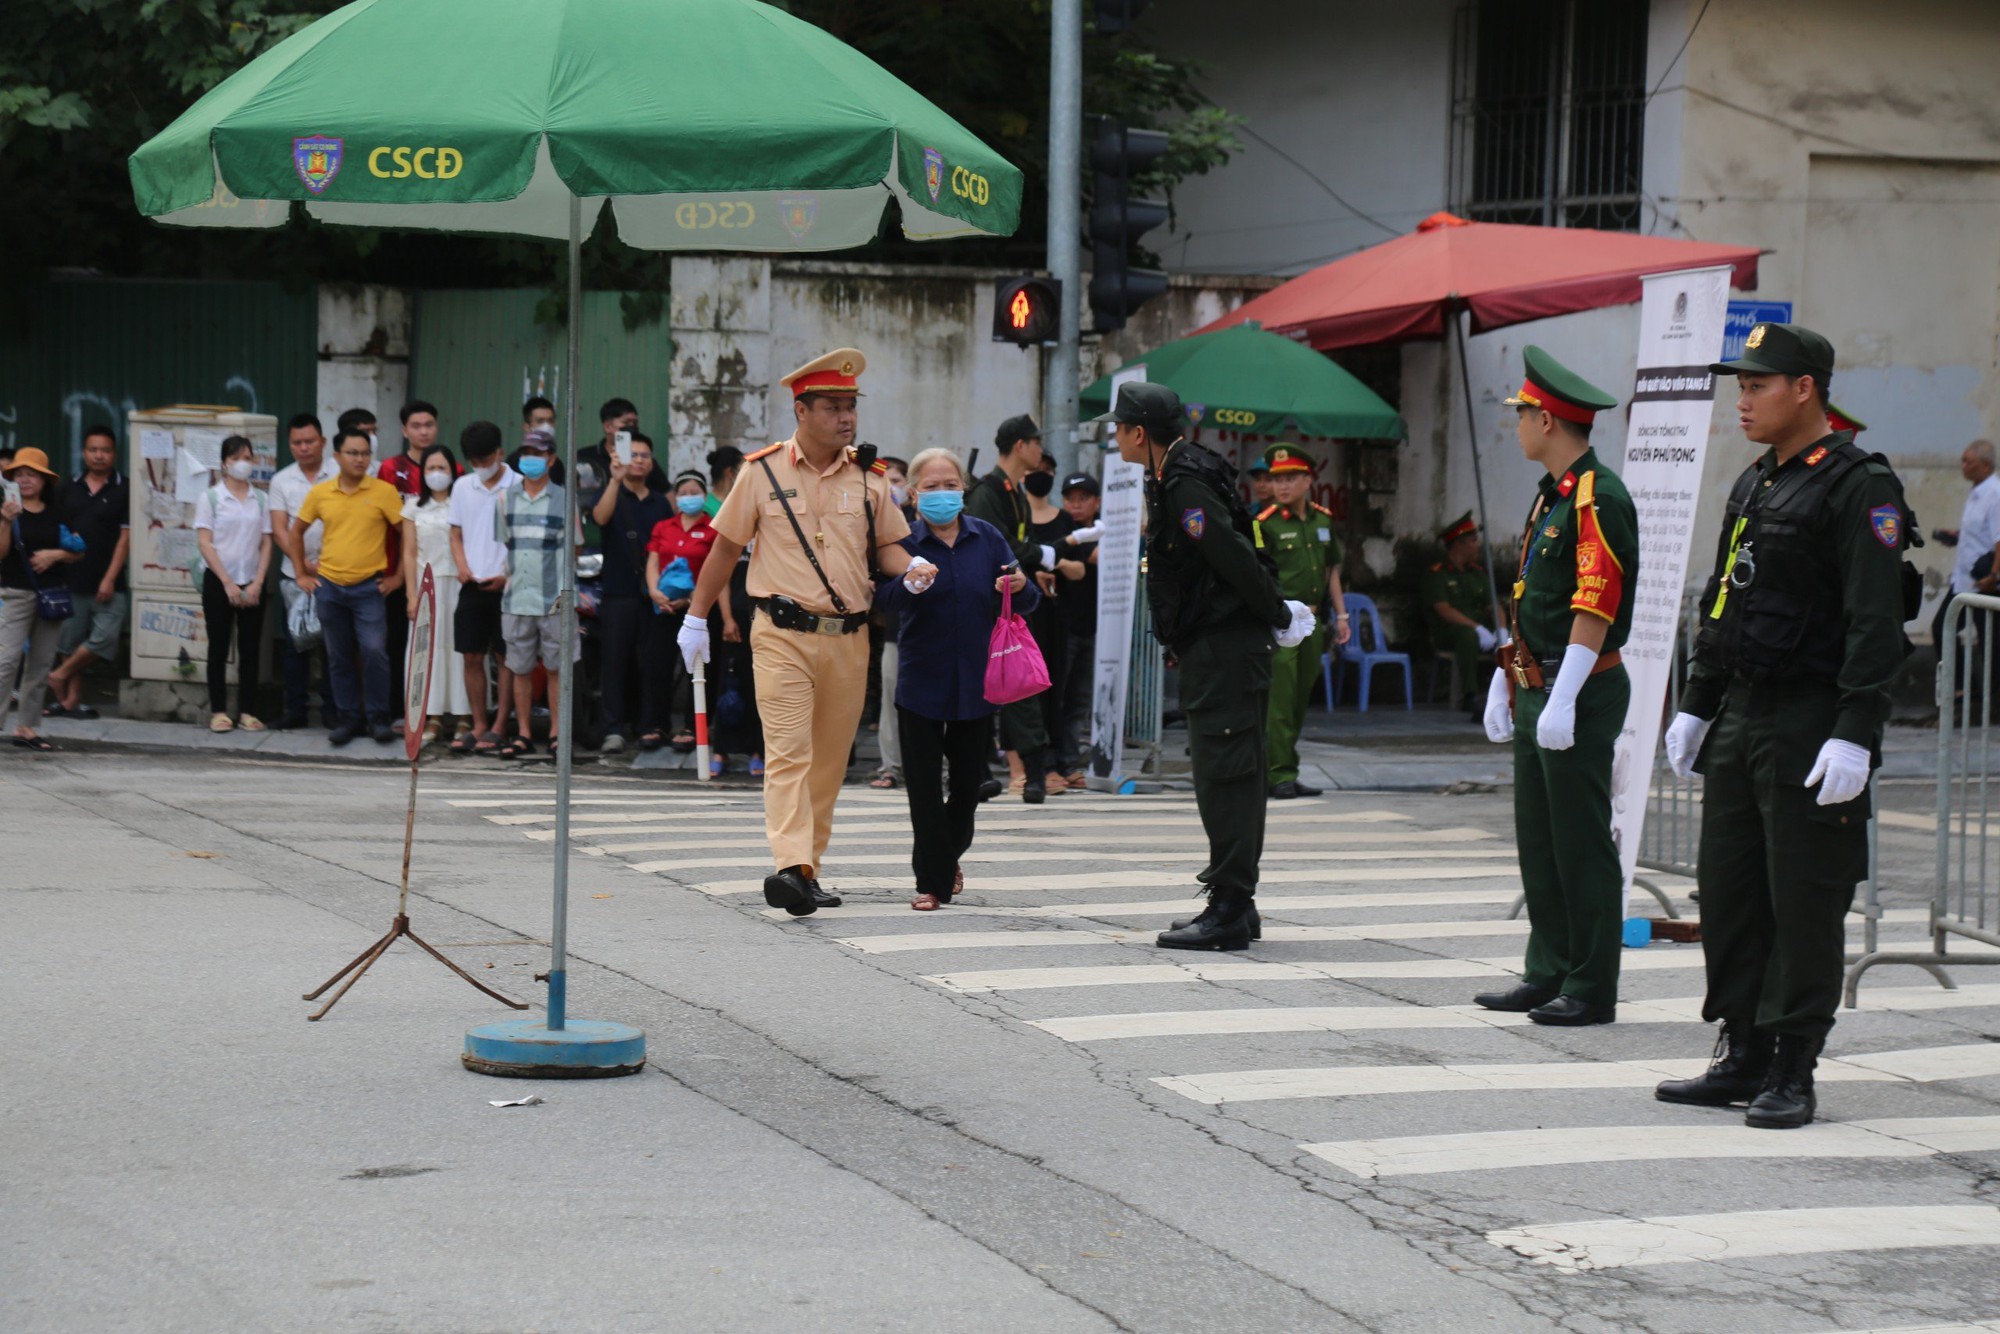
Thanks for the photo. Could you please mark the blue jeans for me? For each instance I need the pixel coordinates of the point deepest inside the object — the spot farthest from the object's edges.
(352, 619)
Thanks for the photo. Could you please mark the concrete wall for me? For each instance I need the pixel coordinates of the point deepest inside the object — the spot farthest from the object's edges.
(364, 357)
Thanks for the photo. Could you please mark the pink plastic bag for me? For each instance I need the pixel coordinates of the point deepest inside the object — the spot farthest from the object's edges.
(1014, 666)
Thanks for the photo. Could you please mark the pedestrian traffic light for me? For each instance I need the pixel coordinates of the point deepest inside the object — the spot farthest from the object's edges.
(1026, 311)
(1118, 157)
(1117, 15)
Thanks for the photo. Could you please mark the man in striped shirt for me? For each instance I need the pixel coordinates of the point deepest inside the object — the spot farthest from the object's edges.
(529, 522)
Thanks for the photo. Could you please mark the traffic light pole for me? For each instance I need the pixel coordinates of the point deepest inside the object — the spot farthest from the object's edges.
(1060, 382)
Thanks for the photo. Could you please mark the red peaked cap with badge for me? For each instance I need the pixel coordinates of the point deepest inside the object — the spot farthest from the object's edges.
(1558, 390)
(838, 372)
(1287, 457)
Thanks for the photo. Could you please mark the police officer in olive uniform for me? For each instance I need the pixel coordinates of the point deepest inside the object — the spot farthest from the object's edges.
(1457, 603)
(1571, 610)
(1801, 633)
(1215, 606)
(1298, 537)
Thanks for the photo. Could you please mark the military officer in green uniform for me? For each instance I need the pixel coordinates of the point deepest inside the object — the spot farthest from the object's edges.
(1801, 633)
(1571, 610)
(1217, 609)
(1298, 537)
(1458, 604)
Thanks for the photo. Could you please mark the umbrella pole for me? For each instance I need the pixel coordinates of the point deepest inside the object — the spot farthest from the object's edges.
(1478, 473)
(560, 1048)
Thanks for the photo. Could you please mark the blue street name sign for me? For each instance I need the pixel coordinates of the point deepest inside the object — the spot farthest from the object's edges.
(1744, 316)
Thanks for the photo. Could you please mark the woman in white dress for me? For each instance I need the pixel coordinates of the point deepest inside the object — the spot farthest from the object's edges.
(427, 541)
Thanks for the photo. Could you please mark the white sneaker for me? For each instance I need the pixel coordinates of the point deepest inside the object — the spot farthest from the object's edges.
(613, 743)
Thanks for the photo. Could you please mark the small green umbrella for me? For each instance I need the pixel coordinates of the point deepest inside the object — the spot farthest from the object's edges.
(1244, 379)
(706, 125)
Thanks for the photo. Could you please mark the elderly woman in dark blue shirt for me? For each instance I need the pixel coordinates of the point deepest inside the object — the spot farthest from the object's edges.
(944, 618)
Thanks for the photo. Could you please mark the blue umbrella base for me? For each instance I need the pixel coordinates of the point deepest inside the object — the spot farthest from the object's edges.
(530, 1049)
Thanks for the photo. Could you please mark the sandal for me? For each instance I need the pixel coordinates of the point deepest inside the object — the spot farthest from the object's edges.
(1077, 779)
(55, 710)
(220, 722)
(249, 722)
(516, 747)
(38, 743)
(926, 903)
(461, 744)
(1054, 782)
(554, 745)
(683, 741)
(651, 740)
(756, 766)
(718, 765)
(487, 745)
(885, 779)
(957, 881)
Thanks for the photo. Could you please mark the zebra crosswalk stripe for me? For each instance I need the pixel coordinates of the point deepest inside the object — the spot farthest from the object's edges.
(1628, 1243)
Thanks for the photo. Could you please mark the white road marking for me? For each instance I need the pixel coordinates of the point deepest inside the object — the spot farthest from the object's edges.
(1247, 970)
(901, 853)
(1976, 1327)
(847, 846)
(1121, 879)
(1271, 904)
(1628, 1243)
(1915, 1137)
(1911, 1065)
(920, 940)
(751, 817)
(969, 940)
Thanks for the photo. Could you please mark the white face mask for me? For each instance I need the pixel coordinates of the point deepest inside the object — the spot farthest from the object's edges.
(437, 479)
(238, 468)
(487, 472)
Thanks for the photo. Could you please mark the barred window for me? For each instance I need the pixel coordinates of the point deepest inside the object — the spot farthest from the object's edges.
(1548, 111)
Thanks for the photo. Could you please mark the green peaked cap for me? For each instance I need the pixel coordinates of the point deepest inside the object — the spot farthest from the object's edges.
(1548, 378)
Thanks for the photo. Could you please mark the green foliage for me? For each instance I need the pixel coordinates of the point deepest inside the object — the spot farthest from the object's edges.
(84, 82)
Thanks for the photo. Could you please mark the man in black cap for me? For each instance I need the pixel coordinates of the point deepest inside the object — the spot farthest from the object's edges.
(999, 498)
(1217, 609)
(1259, 474)
(1082, 498)
(1801, 632)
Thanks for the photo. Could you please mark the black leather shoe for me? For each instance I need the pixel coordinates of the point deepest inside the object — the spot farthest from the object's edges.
(1225, 925)
(1284, 791)
(382, 734)
(1786, 1101)
(820, 898)
(1518, 1000)
(1307, 790)
(991, 788)
(1034, 794)
(342, 734)
(1256, 921)
(1569, 1012)
(1735, 1073)
(789, 890)
(292, 722)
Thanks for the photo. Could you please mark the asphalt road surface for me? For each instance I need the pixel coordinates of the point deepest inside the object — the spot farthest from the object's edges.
(1013, 1114)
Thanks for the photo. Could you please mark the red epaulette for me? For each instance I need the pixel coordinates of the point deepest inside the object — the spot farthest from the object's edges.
(751, 458)
(1268, 511)
(1323, 509)
(879, 468)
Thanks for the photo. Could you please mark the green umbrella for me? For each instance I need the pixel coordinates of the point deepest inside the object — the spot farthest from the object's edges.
(706, 124)
(1244, 379)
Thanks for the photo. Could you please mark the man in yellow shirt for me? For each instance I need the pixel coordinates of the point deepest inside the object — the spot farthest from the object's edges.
(357, 513)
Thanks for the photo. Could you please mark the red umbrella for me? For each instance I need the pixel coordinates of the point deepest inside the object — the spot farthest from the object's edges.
(1502, 273)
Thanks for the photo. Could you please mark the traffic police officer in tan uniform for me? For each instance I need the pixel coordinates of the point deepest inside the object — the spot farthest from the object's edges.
(823, 523)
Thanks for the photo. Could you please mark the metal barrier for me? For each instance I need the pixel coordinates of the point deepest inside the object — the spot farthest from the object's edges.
(1145, 703)
(1963, 901)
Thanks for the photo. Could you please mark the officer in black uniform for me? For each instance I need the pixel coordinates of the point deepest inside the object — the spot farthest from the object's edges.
(1801, 633)
(1216, 606)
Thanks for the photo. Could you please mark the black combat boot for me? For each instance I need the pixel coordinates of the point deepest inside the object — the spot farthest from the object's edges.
(1183, 923)
(1223, 925)
(1786, 1101)
(1735, 1074)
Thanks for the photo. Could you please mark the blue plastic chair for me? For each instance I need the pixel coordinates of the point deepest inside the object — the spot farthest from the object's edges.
(1367, 627)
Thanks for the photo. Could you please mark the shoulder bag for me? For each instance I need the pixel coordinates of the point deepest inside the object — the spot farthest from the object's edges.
(51, 604)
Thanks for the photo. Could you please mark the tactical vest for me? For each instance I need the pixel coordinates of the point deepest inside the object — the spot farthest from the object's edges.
(1778, 594)
(1185, 596)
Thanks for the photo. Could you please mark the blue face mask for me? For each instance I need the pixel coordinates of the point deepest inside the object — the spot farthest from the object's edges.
(533, 466)
(940, 506)
(690, 505)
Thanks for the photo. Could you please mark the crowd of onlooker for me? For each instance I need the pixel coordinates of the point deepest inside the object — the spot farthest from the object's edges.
(328, 561)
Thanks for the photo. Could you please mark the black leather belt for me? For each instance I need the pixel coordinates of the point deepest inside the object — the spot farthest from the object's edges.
(789, 615)
(1552, 667)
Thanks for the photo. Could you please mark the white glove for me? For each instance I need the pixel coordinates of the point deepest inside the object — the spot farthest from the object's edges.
(1302, 625)
(1048, 556)
(1499, 717)
(1556, 730)
(1089, 534)
(1684, 737)
(693, 640)
(920, 574)
(1487, 639)
(1844, 766)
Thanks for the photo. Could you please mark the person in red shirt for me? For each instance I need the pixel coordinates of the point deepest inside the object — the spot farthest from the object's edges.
(688, 536)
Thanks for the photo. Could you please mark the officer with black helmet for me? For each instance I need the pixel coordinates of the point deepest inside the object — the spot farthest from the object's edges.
(1801, 632)
(1217, 609)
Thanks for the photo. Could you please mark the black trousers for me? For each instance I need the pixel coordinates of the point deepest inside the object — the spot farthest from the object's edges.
(732, 663)
(941, 819)
(633, 639)
(222, 621)
(396, 608)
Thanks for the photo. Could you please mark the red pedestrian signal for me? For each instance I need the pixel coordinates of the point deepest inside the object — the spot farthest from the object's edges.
(1027, 311)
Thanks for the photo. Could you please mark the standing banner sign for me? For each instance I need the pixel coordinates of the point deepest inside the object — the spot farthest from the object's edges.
(1680, 331)
(1121, 519)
